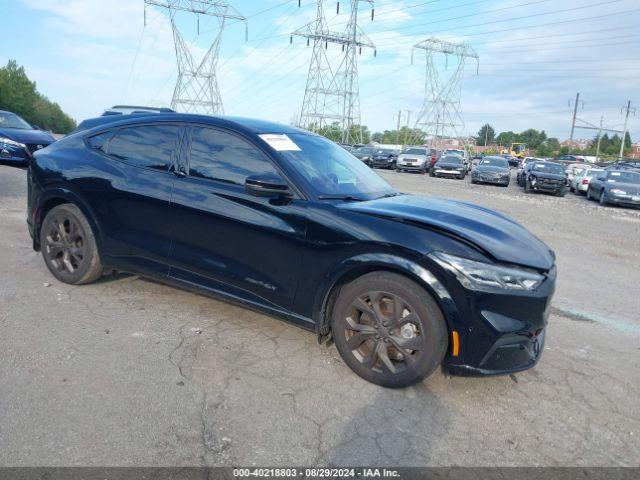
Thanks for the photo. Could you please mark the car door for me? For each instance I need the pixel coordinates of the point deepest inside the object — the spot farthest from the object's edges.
(227, 239)
(133, 194)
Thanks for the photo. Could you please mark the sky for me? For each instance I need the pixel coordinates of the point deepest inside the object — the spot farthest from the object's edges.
(535, 55)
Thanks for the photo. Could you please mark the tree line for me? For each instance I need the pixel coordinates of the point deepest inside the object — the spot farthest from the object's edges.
(19, 95)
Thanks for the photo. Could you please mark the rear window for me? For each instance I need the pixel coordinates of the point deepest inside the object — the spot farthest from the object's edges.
(150, 146)
(99, 141)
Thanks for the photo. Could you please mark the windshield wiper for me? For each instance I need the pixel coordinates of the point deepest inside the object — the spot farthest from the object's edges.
(348, 198)
(387, 195)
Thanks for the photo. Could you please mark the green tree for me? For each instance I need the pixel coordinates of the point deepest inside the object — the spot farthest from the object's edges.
(486, 135)
(19, 94)
(507, 138)
(532, 138)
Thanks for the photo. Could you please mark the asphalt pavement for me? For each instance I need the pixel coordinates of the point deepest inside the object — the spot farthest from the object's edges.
(129, 372)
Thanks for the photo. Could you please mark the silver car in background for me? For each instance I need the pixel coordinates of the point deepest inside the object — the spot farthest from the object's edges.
(414, 159)
(574, 169)
(580, 182)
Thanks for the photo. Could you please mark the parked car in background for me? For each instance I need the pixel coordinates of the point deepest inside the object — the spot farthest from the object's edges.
(19, 140)
(573, 169)
(546, 177)
(580, 182)
(455, 151)
(620, 187)
(494, 170)
(449, 166)
(521, 166)
(364, 154)
(414, 159)
(402, 284)
(384, 158)
(567, 159)
(513, 161)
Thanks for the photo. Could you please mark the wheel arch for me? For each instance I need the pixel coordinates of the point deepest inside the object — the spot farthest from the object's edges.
(355, 267)
(59, 196)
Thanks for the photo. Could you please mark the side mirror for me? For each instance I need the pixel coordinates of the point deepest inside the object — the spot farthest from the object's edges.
(600, 179)
(267, 185)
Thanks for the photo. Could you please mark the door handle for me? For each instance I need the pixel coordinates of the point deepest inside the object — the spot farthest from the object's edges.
(179, 173)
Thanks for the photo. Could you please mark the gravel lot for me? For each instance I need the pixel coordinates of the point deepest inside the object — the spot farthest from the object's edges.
(130, 372)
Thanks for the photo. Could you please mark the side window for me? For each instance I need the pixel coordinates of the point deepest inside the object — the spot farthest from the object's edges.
(151, 146)
(224, 157)
(99, 141)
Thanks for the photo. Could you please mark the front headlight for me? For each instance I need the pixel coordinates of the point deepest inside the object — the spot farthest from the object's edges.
(11, 143)
(488, 276)
(617, 191)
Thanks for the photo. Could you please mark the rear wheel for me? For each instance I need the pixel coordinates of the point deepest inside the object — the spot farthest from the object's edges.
(388, 329)
(69, 247)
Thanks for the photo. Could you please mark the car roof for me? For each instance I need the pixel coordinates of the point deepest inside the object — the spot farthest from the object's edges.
(247, 125)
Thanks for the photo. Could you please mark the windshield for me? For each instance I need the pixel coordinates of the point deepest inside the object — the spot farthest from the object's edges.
(10, 120)
(495, 162)
(624, 177)
(451, 159)
(592, 173)
(549, 168)
(364, 150)
(332, 171)
(415, 151)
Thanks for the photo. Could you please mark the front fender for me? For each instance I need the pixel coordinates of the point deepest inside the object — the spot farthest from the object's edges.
(353, 267)
(56, 195)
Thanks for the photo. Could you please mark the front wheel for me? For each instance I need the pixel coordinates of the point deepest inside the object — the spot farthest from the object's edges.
(69, 246)
(603, 198)
(388, 329)
(527, 186)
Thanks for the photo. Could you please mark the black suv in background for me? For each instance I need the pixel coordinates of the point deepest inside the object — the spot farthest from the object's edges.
(384, 158)
(546, 177)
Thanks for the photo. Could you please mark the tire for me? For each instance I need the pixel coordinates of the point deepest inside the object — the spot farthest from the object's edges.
(527, 186)
(473, 182)
(432, 174)
(398, 170)
(603, 198)
(571, 189)
(576, 191)
(562, 193)
(588, 193)
(69, 247)
(378, 352)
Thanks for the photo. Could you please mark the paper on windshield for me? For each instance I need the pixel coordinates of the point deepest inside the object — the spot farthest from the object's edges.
(280, 142)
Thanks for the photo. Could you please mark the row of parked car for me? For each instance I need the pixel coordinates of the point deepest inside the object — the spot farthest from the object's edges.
(451, 163)
(609, 184)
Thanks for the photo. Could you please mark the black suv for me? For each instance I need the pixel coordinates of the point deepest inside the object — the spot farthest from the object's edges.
(549, 177)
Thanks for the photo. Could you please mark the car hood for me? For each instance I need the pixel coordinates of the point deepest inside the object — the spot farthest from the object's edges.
(498, 235)
(27, 136)
(630, 188)
(490, 169)
(403, 156)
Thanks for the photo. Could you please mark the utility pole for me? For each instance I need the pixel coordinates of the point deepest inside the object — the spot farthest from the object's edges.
(404, 142)
(331, 94)
(399, 117)
(599, 138)
(197, 89)
(624, 130)
(573, 122)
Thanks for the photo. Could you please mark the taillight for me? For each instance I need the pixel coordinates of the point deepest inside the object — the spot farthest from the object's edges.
(585, 181)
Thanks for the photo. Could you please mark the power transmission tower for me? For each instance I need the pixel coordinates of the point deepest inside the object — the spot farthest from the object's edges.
(331, 94)
(197, 89)
(440, 116)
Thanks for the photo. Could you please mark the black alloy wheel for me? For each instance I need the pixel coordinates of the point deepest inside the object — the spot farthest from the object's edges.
(603, 198)
(68, 246)
(388, 329)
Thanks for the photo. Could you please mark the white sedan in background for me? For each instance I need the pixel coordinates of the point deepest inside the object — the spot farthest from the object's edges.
(580, 182)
